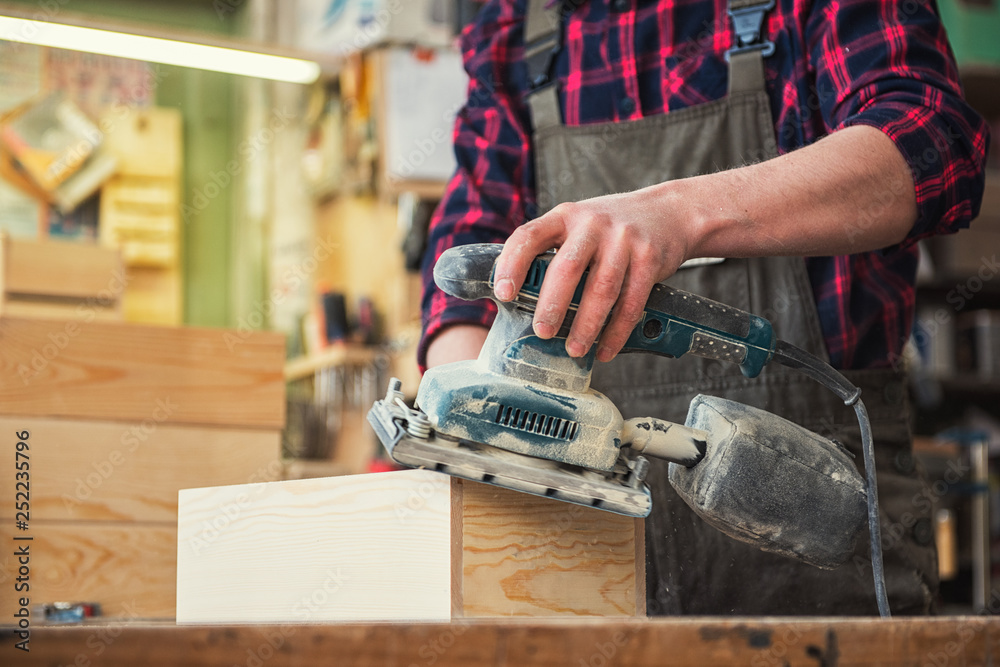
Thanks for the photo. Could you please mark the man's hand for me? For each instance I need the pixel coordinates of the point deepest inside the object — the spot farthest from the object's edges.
(628, 241)
(850, 192)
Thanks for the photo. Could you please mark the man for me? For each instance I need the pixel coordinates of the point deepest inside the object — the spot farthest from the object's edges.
(638, 135)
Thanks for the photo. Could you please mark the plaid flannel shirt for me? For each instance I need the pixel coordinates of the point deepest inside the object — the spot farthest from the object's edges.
(838, 63)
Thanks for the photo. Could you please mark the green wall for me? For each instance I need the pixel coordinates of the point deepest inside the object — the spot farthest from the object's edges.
(974, 31)
(212, 117)
(206, 102)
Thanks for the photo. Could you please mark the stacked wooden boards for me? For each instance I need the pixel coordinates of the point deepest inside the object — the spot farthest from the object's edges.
(405, 545)
(120, 417)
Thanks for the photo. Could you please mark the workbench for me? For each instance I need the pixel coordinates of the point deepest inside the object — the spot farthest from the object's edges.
(827, 642)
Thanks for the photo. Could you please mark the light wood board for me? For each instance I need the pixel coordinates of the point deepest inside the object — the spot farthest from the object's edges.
(528, 556)
(117, 371)
(132, 471)
(363, 547)
(123, 566)
(404, 545)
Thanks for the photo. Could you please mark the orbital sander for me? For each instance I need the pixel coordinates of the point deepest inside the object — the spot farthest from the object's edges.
(524, 417)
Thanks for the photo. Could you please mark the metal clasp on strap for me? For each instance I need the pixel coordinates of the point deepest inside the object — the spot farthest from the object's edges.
(539, 57)
(747, 23)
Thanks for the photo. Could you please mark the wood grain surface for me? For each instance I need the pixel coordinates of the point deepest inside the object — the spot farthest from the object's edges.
(691, 642)
(118, 371)
(360, 547)
(128, 568)
(530, 556)
(411, 544)
(132, 471)
(60, 269)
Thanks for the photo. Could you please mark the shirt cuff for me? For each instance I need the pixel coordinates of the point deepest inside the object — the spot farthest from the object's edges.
(948, 196)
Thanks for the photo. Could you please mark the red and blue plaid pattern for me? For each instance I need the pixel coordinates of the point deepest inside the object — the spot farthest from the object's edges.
(836, 63)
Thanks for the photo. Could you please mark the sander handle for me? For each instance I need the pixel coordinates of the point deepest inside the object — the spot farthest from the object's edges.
(674, 322)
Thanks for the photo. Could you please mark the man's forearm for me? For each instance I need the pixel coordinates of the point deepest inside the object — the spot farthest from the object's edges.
(850, 192)
(456, 343)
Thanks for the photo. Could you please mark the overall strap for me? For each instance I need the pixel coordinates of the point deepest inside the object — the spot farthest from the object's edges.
(542, 43)
(746, 56)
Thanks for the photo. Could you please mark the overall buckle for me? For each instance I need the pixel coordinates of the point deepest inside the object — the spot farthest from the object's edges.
(747, 22)
(539, 56)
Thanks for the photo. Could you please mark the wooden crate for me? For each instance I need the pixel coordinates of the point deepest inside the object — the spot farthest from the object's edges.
(120, 418)
(60, 279)
(405, 545)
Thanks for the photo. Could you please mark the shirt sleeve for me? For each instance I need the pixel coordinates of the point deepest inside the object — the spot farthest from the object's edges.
(888, 65)
(491, 189)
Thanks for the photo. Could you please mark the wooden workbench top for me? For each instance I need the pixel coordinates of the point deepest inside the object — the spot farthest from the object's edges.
(938, 642)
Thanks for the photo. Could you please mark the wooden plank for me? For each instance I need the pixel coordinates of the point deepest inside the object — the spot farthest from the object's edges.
(57, 268)
(117, 371)
(147, 142)
(529, 556)
(699, 642)
(362, 547)
(122, 566)
(118, 471)
(480, 551)
(33, 307)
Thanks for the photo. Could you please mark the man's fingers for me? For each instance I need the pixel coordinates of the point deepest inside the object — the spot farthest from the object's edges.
(562, 278)
(600, 293)
(524, 244)
(626, 314)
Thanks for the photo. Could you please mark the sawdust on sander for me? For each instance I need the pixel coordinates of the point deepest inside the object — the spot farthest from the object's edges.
(772, 483)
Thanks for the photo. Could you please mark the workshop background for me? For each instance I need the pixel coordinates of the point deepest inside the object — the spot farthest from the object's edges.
(223, 205)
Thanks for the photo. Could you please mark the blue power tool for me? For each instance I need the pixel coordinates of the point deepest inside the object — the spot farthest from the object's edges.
(523, 416)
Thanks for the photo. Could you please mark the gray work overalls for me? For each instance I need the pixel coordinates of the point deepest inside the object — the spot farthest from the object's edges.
(691, 567)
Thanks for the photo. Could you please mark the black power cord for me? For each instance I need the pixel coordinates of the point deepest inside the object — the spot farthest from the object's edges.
(791, 356)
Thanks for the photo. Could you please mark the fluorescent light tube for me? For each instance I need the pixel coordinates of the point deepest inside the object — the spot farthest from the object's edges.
(157, 50)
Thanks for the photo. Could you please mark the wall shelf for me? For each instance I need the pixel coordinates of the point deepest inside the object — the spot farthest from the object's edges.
(332, 357)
